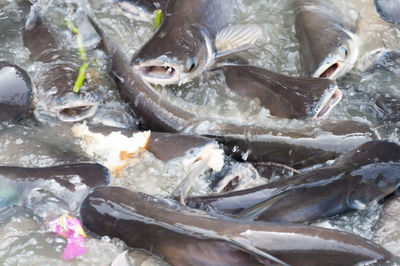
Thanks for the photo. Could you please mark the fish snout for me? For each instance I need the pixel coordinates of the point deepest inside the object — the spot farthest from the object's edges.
(327, 103)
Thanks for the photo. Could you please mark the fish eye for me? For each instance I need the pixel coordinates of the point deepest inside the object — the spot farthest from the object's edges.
(344, 49)
(191, 64)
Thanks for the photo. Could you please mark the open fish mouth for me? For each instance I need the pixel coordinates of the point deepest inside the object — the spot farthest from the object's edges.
(77, 113)
(327, 103)
(159, 74)
(328, 70)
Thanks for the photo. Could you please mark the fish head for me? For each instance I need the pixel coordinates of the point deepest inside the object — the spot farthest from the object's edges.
(341, 59)
(167, 59)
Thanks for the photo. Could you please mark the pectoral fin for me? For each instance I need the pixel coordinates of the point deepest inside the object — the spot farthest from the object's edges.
(236, 38)
(364, 194)
(255, 211)
(242, 243)
(356, 25)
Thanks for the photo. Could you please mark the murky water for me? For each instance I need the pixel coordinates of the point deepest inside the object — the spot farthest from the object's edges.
(39, 140)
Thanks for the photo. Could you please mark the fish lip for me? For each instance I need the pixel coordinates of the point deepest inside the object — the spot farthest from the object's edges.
(333, 68)
(328, 102)
(87, 110)
(159, 73)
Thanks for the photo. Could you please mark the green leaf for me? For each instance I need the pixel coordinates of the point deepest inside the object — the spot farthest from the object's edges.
(157, 18)
(81, 78)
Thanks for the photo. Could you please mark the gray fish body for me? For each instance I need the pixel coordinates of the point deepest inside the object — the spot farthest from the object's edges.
(388, 225)
(298, 148)
(38, 188)
(156, 113)
(390, 106)
(184, 237)
(262, 144)
(328, 46)
(16, 92)
(56, 83)
(34, 147)
(167, 146)
(368, 173)
(178, 51)
(388, 10)
(283, 96)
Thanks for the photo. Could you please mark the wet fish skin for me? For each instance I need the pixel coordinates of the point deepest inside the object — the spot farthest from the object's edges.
(56, 95)
(390, 105)
(49, 145)
(184, 237)
(284, 96)
(381, 59)
(183, 46)
(292, 148)
(157, 114)
(328, 43)
(295, 148)
(173, 146)
(16, 92)
(388, 10)
(388, 224)
(35, 187)
(367, 173)
(92, 174)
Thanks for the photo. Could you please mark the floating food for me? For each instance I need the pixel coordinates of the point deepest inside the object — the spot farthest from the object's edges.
(115, 150)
